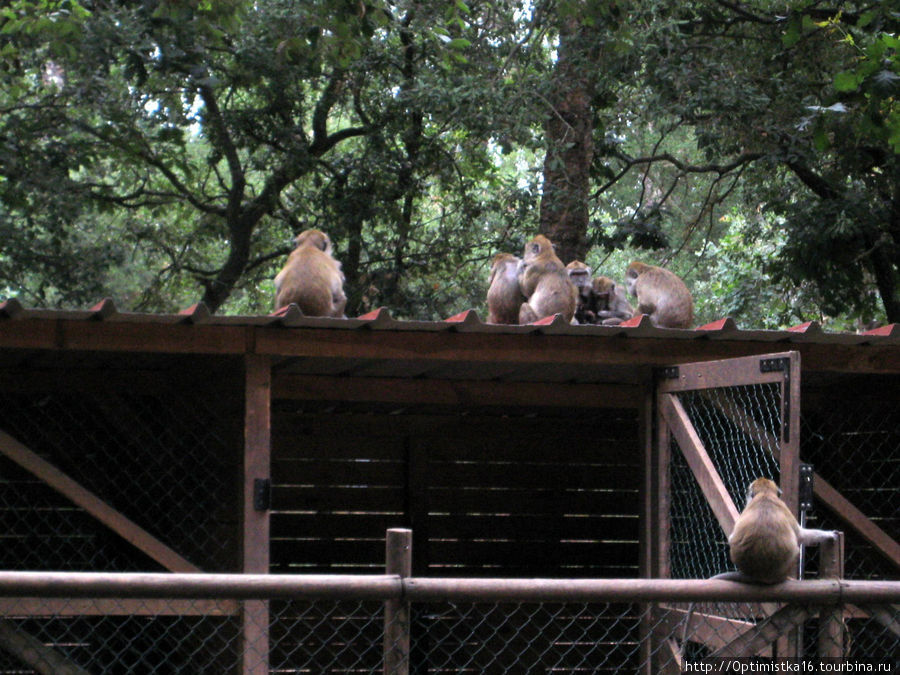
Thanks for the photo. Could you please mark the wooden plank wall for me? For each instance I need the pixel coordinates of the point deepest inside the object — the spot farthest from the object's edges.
(552, 495)
(523, 496)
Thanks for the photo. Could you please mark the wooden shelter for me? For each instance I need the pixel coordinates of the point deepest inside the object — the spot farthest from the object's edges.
(290, 444)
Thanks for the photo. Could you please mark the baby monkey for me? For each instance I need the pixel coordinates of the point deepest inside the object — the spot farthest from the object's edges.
(765, 542)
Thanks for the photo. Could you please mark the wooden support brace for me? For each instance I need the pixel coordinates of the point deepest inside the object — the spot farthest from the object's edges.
(764, 633)
(34, 653)
(700, 463)
(84, 498)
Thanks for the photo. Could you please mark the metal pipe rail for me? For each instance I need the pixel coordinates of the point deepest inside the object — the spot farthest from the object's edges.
(414, 589)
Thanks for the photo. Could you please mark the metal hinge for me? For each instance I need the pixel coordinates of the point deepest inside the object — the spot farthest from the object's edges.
(806, 487)
(783, 365)
(262, 494)
(669, 373)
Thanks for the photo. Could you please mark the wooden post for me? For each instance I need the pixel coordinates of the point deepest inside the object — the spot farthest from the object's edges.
(255, 540)
(790, 645)
(398, 560)
(831, 618)
(648, 523)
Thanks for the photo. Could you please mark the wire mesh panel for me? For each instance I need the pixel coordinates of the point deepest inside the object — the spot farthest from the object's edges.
(92, 637)
(162, 455)
(740, 428)
(202, 637)
(525, 638)
(852, 439)
(326, 637)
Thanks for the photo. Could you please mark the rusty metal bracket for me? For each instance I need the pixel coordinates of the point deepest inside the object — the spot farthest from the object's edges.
(783, 365)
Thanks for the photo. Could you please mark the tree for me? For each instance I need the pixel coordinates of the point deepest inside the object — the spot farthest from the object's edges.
(805, 117)
(236, 116)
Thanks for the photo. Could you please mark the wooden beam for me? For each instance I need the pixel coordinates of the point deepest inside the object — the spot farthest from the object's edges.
(256, 521)
(723, 373)
(103, 512)
(887, 615)
(755, 639)
(488, 393)
(710, 630)
(493, 348)
(34, 606)
(699, 462)
(831, 618)
(856, 519)
(168, 336)
(34, 653)
(647, 541)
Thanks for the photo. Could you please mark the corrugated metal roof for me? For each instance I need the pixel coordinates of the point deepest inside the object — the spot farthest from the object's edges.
(468, 321)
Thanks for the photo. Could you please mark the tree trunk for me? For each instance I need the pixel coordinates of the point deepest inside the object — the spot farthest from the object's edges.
(570, 149)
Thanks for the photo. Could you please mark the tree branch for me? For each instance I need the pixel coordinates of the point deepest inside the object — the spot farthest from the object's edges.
(813, 181)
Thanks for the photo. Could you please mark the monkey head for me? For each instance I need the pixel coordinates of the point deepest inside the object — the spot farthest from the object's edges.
(315, 238)
(539, 247)
(762, 485)
(634, 270)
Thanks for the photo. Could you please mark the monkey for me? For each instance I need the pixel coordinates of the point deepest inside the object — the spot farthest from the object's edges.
(312, 278)
(661, 295)
(765, 542)
(504, 296)
(580, 274)
(609, 304)
(545, 284)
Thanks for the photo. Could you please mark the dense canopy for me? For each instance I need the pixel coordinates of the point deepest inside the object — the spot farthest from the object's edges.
(162, 152)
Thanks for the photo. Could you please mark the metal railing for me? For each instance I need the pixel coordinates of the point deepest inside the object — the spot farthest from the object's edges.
(78, 623)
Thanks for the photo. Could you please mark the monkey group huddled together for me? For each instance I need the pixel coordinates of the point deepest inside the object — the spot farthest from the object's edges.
(524, 290)
(520, 290)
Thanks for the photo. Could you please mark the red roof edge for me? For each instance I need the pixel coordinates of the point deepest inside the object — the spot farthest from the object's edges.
(380, 314)
(723, 325)
(104, 309)
(196, 313)
(468, 316)
(638, 320)
(549, 320)
(890, 330)
(808, 327)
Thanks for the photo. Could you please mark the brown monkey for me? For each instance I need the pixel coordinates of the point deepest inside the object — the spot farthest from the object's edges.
(580, 274)
(504, 297)
(609, 303)
(661, 295)
(765, 542)
(544, 283)
(312, 278)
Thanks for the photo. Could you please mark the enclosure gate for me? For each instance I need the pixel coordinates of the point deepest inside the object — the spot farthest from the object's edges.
(719, 426)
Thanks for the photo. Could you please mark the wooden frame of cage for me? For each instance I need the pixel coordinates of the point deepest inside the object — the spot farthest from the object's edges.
(725, 635)
(258, 383)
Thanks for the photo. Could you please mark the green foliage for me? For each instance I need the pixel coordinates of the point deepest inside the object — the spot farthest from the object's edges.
(166, 151)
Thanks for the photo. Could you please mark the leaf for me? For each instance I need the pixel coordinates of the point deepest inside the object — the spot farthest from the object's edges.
(846, 81)
(791, 35)
(866, 18)
(459, 43)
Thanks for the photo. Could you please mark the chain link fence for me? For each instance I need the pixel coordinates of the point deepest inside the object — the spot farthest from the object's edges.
(161, 457)
(856, 448)
(341, 635)
(740, 429)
